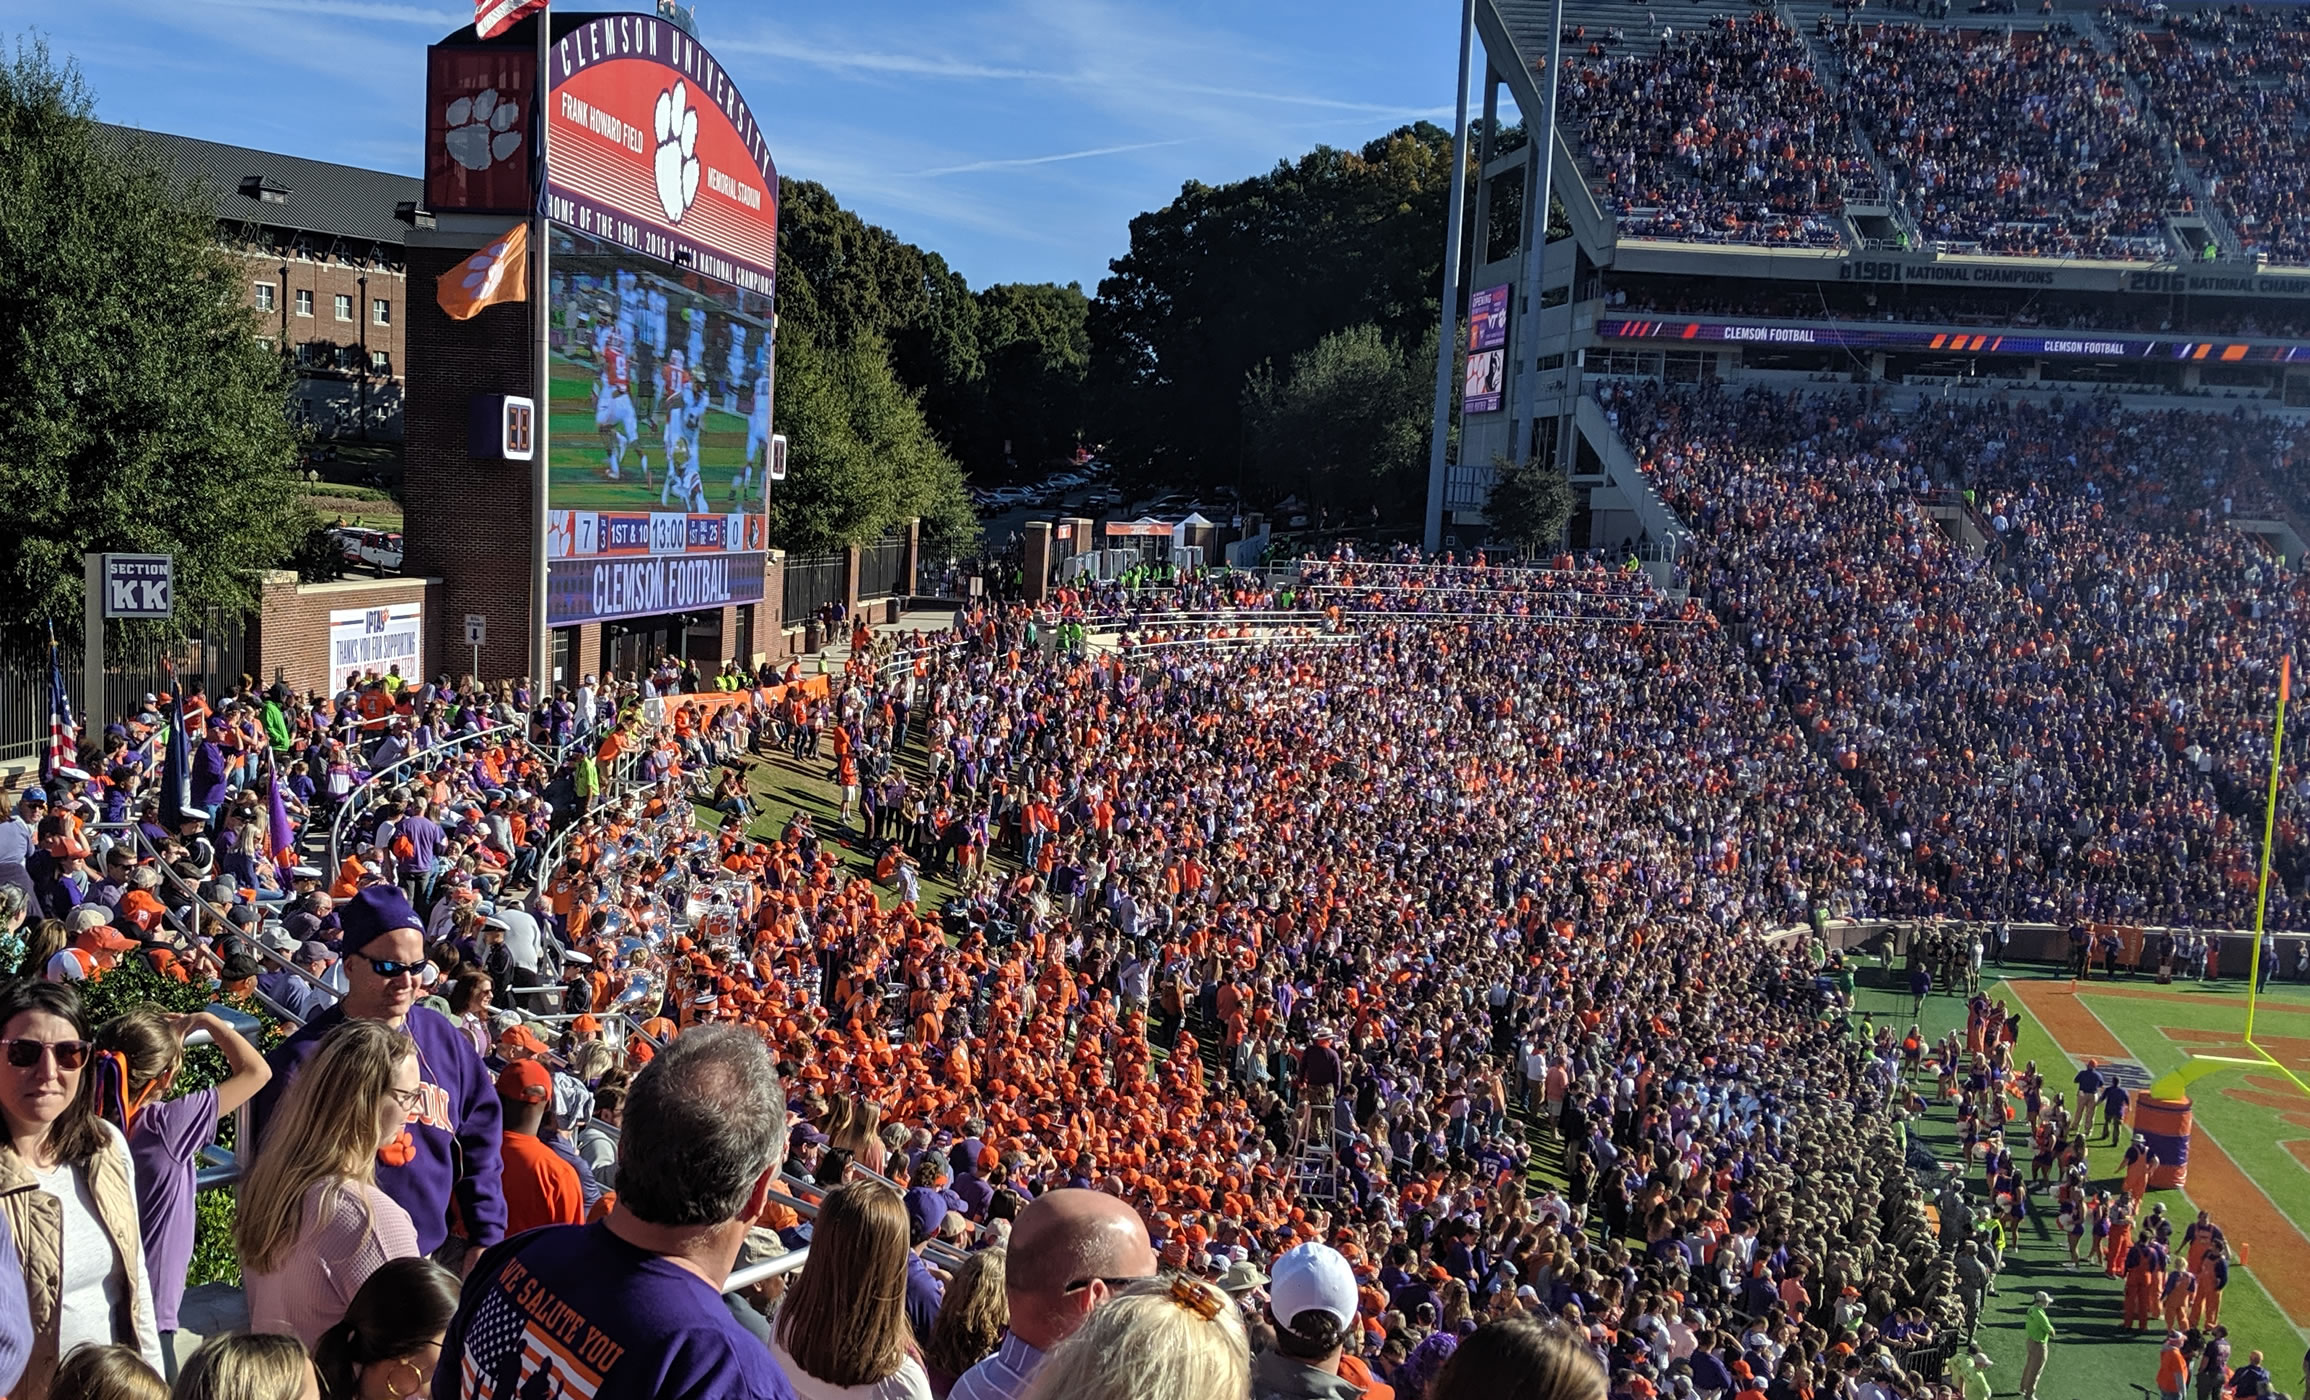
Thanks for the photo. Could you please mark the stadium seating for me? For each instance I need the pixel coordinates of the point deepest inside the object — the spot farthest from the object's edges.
(2090, 695)
(1720, 135)
(2020, 141)
(2231, 85)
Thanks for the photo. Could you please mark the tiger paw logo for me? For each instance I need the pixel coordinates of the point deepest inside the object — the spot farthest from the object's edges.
(481, 130)
(676, 124)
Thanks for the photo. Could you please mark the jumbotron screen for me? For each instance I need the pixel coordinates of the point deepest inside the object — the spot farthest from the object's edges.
(658, 407)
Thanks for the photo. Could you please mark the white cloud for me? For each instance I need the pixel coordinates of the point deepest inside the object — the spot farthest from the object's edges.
(1019, 162)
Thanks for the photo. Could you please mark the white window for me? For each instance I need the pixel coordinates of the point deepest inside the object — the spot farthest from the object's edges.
(380, 312)
(344, 307)
(380, 362)
(265, 292)
(304, 301)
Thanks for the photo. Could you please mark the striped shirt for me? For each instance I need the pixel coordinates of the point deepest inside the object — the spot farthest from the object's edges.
(1002, 1376)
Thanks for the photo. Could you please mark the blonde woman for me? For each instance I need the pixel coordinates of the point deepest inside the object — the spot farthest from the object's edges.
(842, 1332)
(313, 1223)
(248, 1366)
(971, 1319)
(1172, 1338)
(857, 1124)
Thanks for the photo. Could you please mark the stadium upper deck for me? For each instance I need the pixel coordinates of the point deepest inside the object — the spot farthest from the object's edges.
(2064, 196)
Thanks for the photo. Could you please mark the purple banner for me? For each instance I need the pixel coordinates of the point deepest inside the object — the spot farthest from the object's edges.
(1488, 318)
(597, 590)
(2096, 345)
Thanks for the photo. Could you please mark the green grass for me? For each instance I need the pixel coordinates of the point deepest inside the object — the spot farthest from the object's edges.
(781, 786)
(579, 461)
(2254, 1135)
(2093, 1357)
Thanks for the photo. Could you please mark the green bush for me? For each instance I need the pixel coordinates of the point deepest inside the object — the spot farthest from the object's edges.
(213, 1259)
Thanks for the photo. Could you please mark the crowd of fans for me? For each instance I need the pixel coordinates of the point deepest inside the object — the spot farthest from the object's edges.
(2009, 141)
(1720, 135)
(2070, 725)
(1280, 950)
(2231, 85)
(1997, 139)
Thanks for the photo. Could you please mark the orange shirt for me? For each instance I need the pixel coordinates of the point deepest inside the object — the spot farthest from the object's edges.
(540, 1188)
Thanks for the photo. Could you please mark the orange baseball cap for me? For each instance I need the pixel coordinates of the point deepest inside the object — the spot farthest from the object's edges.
(525, 1081)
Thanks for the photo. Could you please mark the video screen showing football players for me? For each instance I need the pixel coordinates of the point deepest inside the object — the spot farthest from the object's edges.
(659, 396)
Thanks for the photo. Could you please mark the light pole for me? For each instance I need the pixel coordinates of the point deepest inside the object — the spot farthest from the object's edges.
(361, 394)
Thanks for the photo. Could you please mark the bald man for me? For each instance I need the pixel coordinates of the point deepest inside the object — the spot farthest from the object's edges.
(1070, 1251)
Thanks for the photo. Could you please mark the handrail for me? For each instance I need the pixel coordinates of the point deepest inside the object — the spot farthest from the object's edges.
(944, 1252)
(766, 1270)
(355, 802)
(142, 845)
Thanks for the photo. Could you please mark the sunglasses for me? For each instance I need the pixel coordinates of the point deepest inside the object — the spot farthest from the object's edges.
(389, 967)
(70, 1054)
(1113, 1284)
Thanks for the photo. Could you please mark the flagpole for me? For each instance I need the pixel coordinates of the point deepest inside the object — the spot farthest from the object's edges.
(540, 635)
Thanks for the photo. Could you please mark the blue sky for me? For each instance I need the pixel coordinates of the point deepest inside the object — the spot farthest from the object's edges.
(1016, 137)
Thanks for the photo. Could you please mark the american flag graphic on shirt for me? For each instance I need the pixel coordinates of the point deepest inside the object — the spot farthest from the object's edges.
(507, 1357)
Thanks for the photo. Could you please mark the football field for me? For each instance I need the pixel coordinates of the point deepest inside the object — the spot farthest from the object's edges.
(2249, 1166)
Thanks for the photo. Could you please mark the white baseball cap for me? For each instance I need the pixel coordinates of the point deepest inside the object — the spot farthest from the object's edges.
(1313, 1278)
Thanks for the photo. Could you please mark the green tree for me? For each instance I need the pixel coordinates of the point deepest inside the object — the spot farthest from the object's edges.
(1004, 364)
(139, 409)
(1348, 428)
(1529, 505)
(863, 460)
(1035, 349)
(1227, 278)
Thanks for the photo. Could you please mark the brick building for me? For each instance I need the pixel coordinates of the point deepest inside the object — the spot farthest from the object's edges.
(327, 274)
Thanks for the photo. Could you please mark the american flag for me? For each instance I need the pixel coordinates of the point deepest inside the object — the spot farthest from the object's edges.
(505, 1357)
(493, 17)
(63, 735)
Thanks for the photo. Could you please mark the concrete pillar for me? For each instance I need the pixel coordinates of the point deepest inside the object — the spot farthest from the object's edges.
(276, 594)
(727, 647)
(850, 558)
(770, 639)
(1037, 563)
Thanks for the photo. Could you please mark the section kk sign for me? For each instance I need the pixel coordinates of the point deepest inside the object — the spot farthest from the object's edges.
(139, 585)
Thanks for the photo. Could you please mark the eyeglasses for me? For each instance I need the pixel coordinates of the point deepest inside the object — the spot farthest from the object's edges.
(70, 1054)
(412, 1098)
(390, 967)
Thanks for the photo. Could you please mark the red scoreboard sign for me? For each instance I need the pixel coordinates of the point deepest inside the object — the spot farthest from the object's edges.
(478, 127)
(650, 146)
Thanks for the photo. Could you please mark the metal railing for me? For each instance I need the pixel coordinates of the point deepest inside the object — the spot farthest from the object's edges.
(933, 1248)
(358, 802)
(766, 1270)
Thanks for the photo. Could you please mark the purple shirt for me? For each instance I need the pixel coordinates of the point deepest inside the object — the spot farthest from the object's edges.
(600, 1318)
(924, 1294)
(424, 841)
(163, 1140)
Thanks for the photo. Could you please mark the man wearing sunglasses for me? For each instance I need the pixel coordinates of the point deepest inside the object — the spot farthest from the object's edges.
(448, 1156)
(1070, 1251)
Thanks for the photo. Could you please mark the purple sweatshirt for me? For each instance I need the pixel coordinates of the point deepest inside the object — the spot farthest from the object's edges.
(455, 1134)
